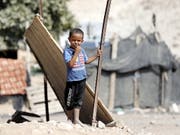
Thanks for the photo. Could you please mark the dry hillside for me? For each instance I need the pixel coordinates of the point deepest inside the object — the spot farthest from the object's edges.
(126, 15)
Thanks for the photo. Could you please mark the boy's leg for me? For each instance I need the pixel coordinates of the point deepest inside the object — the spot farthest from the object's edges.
(68, 98)
(76, 115)
(78, 100)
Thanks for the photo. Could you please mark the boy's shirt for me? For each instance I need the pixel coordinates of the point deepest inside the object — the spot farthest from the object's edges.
(78, 72)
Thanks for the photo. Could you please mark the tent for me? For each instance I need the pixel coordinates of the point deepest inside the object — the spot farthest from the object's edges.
(143, 64)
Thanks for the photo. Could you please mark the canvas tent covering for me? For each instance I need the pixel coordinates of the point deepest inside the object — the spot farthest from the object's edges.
(142, 58)
(176, 84)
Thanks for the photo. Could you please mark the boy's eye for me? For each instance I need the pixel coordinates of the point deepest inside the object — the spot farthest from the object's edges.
(76, 40)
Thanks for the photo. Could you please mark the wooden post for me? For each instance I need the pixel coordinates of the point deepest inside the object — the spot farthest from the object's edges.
(45, 80)
(136, 90)
(103, 33)
(163, 79)
(112, 89)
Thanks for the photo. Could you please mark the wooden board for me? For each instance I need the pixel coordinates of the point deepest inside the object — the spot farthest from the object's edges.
(35, 95)
(50, 58)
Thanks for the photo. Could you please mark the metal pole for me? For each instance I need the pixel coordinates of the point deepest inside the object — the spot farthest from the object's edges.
(103, 33)
(45, 80)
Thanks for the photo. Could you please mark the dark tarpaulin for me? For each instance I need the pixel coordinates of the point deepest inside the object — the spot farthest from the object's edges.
(148, 53)
(147, 56)
(176, 84)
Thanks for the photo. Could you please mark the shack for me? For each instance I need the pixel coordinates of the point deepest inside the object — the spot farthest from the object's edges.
(143, 68)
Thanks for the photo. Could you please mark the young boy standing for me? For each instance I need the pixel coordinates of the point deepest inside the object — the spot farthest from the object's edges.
(76, 58)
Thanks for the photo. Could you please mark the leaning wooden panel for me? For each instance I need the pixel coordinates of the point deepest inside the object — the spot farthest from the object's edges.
(87, 109)
(50, 58)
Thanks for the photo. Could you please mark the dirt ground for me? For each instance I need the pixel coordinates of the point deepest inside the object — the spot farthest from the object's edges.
(151, 123)
(130, 122)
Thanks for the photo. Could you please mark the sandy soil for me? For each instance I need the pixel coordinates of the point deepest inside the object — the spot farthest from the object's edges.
(56, 126)
(152, 123)
(130, 122)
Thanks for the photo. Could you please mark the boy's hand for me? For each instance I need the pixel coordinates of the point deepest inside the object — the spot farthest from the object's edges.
(99, 52)
(77, 49)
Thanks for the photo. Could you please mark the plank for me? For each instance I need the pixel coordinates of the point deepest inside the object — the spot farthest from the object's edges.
(35, 95)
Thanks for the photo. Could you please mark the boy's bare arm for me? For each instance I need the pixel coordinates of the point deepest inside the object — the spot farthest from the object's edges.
(76, 53)
(91, 59)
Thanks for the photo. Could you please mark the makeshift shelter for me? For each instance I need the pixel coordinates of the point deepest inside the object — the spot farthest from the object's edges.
(176, 84)
(13, 81)
(142, 63)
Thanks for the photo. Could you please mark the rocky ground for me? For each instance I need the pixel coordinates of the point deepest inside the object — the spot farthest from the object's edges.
(150, 123)
(129, 122)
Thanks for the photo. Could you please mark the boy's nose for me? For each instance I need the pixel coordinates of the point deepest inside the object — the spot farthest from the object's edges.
(76, 41)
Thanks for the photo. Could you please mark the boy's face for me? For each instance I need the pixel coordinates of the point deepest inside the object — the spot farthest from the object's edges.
(75, 40)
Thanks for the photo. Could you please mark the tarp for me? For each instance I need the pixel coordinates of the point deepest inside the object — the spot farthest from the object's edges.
(148, 53)
(139, 52)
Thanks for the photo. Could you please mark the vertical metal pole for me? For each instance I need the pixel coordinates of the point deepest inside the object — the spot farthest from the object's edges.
(103, 33)
(45, 80)
(46, 99)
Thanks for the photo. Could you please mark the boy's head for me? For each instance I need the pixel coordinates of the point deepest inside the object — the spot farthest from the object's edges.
(76, 31)
(76, 36)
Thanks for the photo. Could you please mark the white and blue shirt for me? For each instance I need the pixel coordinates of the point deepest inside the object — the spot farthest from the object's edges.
(78, 71)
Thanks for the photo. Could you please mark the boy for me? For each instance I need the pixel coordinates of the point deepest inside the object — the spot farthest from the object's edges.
(76, 58)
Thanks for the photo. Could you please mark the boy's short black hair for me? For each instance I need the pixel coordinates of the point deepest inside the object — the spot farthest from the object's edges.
(76, 30)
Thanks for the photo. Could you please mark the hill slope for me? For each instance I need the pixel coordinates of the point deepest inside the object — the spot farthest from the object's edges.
(126, 15)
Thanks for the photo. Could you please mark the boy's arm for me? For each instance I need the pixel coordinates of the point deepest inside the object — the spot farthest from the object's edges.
(92, 58)
(74, 57)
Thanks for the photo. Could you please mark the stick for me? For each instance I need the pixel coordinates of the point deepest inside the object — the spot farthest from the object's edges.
(94, 122)
(45, 80)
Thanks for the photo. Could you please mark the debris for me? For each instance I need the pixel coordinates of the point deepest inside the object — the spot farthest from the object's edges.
(20, 117)
(174, 108)
(100, 124)
(118, 111)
